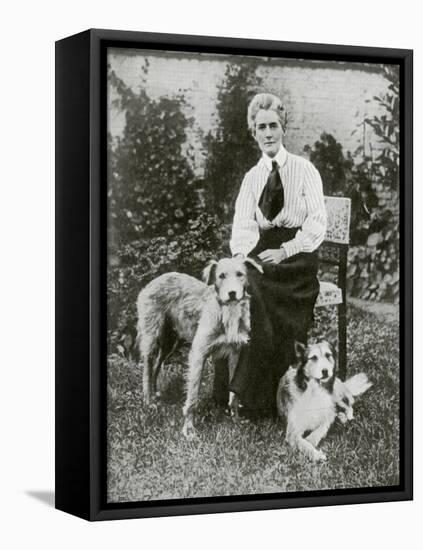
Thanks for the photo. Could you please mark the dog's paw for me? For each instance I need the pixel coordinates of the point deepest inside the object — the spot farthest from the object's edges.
(312, 439)
(150, 402)
(188, 430)
(233, 411)
(154, 400)
(320, 456)
(342, 417)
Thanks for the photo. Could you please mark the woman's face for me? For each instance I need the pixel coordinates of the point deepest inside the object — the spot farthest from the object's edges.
(268, 132)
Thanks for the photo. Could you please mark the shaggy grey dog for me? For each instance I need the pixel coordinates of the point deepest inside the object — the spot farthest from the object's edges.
(213, 315)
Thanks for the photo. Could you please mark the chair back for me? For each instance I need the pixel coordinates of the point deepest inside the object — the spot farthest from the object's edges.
(338, 210)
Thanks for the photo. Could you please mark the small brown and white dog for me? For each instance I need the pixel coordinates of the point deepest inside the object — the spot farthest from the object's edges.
(310, 397)
(214, 315)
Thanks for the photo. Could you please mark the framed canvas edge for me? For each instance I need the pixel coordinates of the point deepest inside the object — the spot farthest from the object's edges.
(72, 256)
(242, 505)
(256, 46)
(98, 509)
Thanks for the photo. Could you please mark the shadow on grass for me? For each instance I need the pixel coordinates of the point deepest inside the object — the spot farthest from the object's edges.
(174, 392)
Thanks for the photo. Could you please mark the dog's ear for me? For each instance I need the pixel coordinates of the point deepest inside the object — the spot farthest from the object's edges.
(250, 261)
(331, 346)
(334, 352)
(209, 273)
(300, 349)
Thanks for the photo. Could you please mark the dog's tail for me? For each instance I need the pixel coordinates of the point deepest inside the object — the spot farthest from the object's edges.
(358, 384)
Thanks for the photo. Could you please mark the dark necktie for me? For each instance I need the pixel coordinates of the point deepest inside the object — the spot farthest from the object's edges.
(272, 197)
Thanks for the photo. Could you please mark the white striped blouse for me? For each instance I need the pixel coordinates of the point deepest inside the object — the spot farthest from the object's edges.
(304, 205)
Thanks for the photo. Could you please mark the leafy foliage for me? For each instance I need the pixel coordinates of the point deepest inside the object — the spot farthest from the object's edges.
(141, 261)
(231, 150)
(370, 179)
(155, 219)
(151, 184)
(378, 262)
(385, 166)
(342, 177)
(334, 167)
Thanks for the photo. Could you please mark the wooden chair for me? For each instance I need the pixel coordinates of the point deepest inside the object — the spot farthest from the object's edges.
(334, 251)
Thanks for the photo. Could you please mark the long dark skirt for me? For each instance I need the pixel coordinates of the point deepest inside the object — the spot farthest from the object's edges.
(282, 302)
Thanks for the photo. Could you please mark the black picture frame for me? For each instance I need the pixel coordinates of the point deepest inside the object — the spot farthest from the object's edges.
(81, 271)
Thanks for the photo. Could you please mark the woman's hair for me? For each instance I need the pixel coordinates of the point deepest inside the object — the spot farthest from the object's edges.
(268, 102)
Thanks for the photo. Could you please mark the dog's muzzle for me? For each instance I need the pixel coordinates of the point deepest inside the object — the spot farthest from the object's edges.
(232, 298)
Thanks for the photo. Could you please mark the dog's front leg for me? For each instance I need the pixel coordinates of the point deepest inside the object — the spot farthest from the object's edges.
(233, 404)
(197, 359)
(319, 433)
(147, 375)
(150, 376)
(146, 380)
(296, 440)
(344, 412)
(343, 400)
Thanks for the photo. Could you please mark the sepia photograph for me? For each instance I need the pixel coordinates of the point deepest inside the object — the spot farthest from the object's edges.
(253, 275)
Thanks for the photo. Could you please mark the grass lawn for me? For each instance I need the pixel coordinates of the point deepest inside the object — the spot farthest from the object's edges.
(148, 459)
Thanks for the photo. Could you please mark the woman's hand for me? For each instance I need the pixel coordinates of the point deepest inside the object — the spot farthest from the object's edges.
(273, 255)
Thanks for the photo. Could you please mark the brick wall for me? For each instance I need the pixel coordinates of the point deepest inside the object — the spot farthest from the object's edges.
(330, 97)
(325, 99)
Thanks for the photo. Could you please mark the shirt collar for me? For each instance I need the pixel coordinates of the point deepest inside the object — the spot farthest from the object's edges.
(280, 158)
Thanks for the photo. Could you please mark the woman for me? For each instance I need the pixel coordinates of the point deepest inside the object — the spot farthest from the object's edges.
(280, 220)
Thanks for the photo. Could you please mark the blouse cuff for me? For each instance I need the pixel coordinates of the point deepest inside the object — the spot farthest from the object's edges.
(240, 249)
(292, 247)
